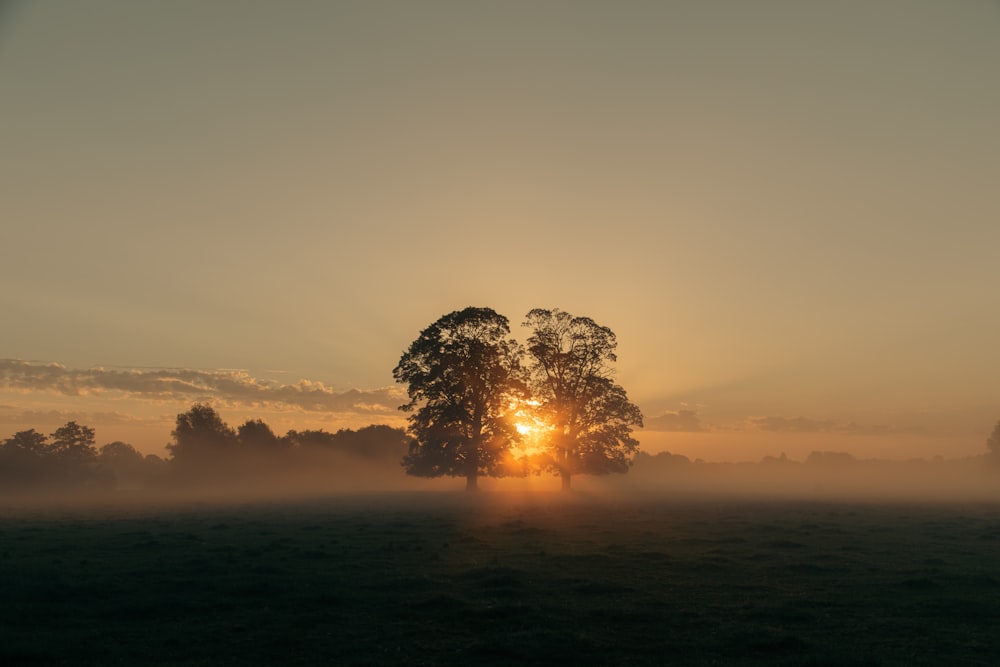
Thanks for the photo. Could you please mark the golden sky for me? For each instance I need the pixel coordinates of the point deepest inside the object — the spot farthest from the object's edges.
(787, 211)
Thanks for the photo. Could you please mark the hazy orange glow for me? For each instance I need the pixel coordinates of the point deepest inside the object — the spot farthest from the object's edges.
(534, 430)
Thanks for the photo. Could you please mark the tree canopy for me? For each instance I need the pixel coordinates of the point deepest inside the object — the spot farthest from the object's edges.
(463, 373)
(254, 436)
(202, 440)
(74, 443)
(28, 443)
(571, 380)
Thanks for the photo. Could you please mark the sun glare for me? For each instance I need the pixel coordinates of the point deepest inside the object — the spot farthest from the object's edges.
(533, 429)
(524, 428)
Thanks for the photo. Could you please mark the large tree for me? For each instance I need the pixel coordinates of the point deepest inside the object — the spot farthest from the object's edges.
(463, 374)
(591, 417)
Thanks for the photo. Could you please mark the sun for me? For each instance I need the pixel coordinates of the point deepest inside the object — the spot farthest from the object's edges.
(534, 430)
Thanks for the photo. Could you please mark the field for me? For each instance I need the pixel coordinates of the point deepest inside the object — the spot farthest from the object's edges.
(481, 579)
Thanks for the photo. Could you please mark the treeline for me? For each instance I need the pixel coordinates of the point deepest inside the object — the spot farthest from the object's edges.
(68, 458)
(645, 463)
(204, 450)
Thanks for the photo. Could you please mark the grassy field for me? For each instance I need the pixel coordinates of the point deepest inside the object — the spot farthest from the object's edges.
(425, 579)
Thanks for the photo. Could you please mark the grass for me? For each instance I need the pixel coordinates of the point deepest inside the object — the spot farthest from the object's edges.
(450, 579)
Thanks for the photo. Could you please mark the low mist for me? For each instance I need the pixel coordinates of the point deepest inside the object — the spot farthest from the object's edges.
(827, 476)
(210, 461)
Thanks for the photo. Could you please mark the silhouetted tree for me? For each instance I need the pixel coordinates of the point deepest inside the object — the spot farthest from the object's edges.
(256, 437)
(201, 440)
(30, 442)
(71, 457)
(310, 439)
(591, 416)
(462, 374)
(993, 442)
(376, 441)
(73, 444)
(123, 460)
(22, 459)
(118, 452)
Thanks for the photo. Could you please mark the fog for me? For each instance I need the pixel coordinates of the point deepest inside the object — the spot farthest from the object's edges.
(355, 479)
(823, 475)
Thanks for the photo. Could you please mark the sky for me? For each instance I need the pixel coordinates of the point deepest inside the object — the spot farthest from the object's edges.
(786, 211)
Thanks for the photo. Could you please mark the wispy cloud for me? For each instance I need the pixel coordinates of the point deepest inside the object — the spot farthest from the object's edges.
(806, 425)
(234, 387)
(678, 421)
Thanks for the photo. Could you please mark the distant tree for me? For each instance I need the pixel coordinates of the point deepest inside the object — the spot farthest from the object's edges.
(463, 374)
(661, 459)
(72, 457)
(831, 459)
(201, 439)
(124, 461)
(993, 442)
(22, 459)
(780, 460)
(73, 444)
(256, 437)
(119, 452)
(309, 439)
(153, 460)
(376, 441)
(29, 442)
(571, 379)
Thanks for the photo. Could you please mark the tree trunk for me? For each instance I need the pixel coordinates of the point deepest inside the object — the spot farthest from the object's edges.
(564, 469)
(472, 462)
(565, 476)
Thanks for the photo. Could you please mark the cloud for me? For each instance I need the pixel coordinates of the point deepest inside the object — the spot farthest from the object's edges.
(806, 425)
(680, 421)
(234, 387)
(790, 425)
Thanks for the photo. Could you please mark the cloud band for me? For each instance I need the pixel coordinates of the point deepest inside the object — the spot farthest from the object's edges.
(231, 386)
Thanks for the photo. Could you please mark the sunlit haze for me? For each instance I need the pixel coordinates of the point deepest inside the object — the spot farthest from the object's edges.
(787, 212)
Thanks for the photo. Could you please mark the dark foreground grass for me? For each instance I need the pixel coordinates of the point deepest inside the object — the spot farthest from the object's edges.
(413, 580)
